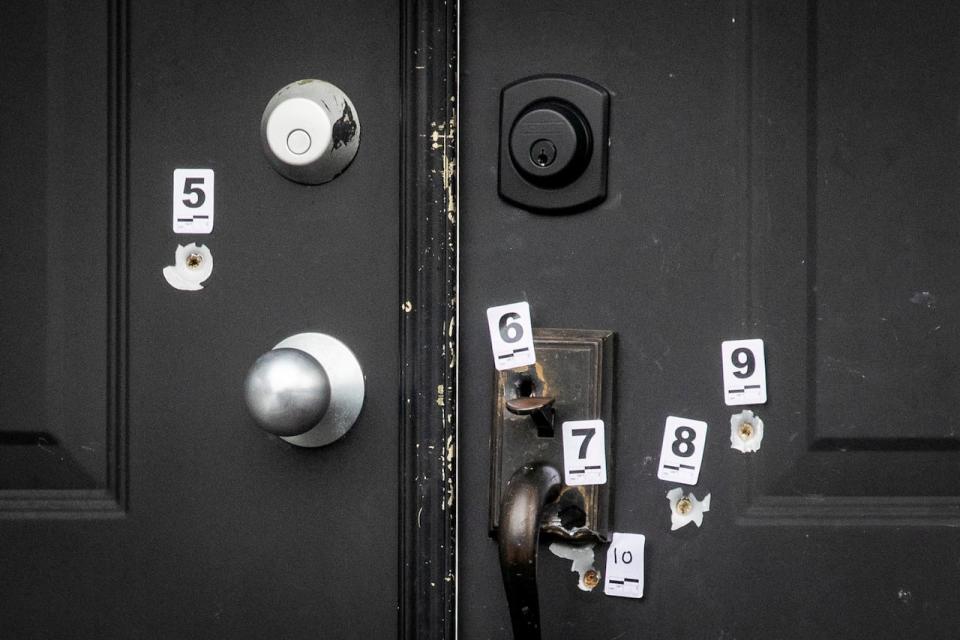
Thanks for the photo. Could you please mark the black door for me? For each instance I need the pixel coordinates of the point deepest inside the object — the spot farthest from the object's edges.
(138, 499)
(777, 171)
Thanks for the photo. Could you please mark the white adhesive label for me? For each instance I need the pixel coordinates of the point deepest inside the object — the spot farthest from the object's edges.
(682, 450)
(584, 452)
(192, 200)
(744, 372)
(511, 335)
(625, 566)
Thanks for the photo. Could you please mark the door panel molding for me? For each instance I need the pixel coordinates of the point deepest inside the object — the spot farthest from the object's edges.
(428, 308)
(850, 466)
(110, 500)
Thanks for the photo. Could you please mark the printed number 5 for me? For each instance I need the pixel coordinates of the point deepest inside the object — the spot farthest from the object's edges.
(743, 358)
(683, 445)
(510, 331)
(589, 433)
(190, 188)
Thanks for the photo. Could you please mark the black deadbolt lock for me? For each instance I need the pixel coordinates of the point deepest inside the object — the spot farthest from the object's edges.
(553, 143)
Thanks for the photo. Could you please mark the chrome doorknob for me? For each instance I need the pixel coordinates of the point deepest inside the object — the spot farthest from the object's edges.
(287, 391)
(308, 390)
(310, 131)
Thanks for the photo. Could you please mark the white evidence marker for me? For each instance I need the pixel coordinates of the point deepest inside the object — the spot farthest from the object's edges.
(744, 372)
(511, 335)
(682, 450)
(193, 201)
(584, 452)
(624, 569)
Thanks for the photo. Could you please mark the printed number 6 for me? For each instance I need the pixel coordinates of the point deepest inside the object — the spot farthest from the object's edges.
(743, 359)
(510, 331)
(190, 188)
(683, 445)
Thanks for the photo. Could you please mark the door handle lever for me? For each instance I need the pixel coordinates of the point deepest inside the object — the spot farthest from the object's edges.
(540, 409)
(530, 489)
(572, 380)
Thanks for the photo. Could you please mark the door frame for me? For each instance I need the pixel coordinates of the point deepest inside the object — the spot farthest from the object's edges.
(428, 306)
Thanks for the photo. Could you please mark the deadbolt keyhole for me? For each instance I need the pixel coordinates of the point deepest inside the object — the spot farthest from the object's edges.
(543, 153)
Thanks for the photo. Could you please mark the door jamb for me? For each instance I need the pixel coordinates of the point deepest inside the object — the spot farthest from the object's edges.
(428, 308)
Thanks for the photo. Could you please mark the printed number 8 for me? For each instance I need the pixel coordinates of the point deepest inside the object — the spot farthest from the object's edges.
(510, 331)
(743, 359)
(683, 445)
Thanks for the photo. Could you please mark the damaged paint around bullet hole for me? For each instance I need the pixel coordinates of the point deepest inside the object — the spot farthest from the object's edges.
(192, 265)
(686, 508)
(746, 431)
(582, 557)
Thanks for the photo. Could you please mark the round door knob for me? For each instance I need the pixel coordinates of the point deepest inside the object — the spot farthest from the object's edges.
(310, 131)
(308, 390)
(287, 392)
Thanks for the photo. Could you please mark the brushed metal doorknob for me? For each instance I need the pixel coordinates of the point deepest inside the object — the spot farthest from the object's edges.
(308, 390)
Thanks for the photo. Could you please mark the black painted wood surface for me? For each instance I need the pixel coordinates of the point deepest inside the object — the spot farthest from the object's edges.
(199, 525)
(786, 171)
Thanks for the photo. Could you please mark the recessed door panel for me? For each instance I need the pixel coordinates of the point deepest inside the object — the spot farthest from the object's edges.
(62, 260)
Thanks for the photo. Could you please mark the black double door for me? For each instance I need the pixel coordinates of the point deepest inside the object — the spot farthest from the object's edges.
(777, 171)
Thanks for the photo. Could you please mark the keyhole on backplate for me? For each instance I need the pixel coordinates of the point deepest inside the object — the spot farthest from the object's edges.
(543, 153)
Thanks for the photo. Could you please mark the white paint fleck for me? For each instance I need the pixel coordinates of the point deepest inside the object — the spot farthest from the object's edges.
(746, 431)
(192, 265)
(696, 509)
(581, 556)
(924, 298)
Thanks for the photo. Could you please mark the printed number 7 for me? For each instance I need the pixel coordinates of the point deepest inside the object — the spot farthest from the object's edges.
(589, 433)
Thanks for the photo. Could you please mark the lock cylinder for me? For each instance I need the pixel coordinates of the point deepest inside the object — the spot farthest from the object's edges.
(550, 144)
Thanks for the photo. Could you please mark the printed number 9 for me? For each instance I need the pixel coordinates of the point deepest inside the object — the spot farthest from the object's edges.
(683, 445)
(510, 331)
(743, 359)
